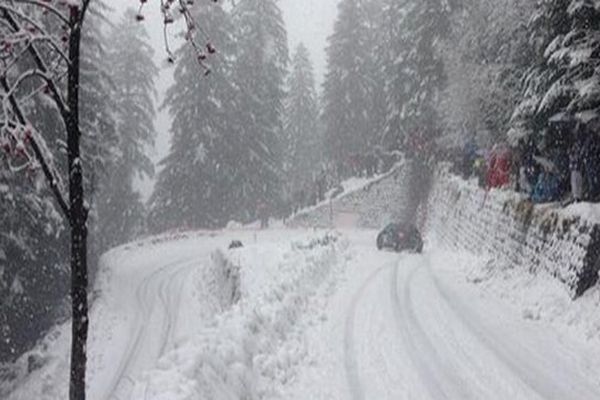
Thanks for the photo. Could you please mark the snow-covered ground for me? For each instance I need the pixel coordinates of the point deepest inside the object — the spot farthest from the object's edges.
(305, 314)
(414, 327)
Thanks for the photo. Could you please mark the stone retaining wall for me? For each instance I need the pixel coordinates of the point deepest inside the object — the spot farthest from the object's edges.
(507, 227)
(372, 206)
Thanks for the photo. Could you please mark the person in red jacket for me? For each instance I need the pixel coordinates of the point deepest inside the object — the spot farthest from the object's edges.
(499, 166)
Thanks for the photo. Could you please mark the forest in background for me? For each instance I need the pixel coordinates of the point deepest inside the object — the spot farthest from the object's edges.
(256, 136)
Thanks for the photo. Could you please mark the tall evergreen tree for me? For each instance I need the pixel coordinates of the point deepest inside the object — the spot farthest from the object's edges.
(393, 40)
(302, 140)
(133, 72)
(199, 183)
(260, 69)
(485, 57)
(426, 22)
(227, 128)
(352, 109)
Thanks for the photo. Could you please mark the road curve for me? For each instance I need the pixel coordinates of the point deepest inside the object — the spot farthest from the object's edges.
(157, 300)
(410, 334)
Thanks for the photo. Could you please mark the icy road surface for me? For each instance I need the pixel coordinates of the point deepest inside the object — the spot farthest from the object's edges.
(411, 327)
(307, 317)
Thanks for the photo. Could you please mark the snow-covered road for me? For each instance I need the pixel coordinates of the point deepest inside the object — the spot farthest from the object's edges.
(411, 327)
(311, 316)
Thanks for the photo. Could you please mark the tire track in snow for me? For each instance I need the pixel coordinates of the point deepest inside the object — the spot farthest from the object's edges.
(357, 391)
(124, 383)
(438, 376)
(514, 355)
(170, 297)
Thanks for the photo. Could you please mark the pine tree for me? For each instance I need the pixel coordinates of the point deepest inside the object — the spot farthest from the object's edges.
(225, 157)
(426, 23)
(302, 140)
(197, 186)
(485, 57)
(564, 79)
(393, 51)
(352, 109)
(260, 69)
(34, 287)
(133, 72)
(33, 272)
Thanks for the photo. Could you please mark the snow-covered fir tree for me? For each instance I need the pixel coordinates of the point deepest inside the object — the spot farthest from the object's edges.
(259, 74)
(425, 23)
(200, 184)
(302, 142)
(563, 82)
(35, 274)
(225, 158)
(393, 50)
(485, 56)
(133, 73)
(352, 109)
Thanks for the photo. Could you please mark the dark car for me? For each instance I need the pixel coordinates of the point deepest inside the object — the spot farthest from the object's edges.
(400, 237)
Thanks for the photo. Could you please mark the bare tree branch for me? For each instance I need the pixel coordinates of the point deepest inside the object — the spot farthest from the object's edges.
(45, 6)
(50, 175)
(53, 89)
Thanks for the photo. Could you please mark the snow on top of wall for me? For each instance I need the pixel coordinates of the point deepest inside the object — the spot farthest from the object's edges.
(351, 186)
(586, 211)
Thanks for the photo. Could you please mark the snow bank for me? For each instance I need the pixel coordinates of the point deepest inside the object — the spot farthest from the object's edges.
(42, 373)
(364, 203)
(250, 350)
(506, 227)
(538, 297)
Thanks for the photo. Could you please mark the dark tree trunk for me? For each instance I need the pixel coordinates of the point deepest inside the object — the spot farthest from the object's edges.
(79, 283)
(76, 212)
(78, 219)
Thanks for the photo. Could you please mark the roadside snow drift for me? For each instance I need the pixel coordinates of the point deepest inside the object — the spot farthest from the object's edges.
(183, 319)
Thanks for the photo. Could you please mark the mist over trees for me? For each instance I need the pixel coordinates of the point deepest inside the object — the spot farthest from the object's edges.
(226, 152)
(94, 87)
(252, 134)
(351, 114)
(121, 212)
(302, 138)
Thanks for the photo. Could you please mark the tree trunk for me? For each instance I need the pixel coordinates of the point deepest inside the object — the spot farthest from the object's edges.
(79, 284)
(78, 219)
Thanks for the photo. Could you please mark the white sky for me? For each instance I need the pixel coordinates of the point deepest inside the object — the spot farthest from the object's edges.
(307, 21)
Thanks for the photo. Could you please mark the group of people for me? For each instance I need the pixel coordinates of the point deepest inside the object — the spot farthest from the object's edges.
(558, 166)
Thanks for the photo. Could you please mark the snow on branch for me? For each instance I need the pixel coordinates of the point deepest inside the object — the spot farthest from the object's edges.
(34, 58)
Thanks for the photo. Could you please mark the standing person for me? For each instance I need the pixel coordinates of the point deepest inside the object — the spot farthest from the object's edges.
(547, 187)
(576, 168)
(591, 165)
(469, 155)
(499, 166)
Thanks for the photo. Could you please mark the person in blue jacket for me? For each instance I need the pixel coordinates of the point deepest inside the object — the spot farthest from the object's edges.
(547, 187)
